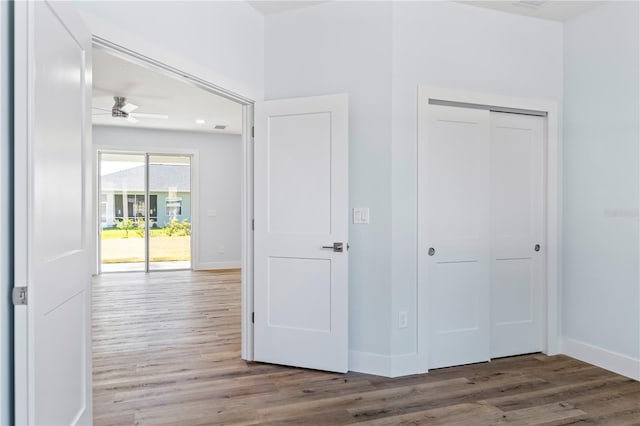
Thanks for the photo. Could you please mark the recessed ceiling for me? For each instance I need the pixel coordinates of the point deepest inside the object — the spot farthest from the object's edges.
(156, 93)
(555, 10)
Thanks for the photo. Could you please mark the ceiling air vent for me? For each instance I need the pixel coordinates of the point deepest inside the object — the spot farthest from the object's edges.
(220, 126)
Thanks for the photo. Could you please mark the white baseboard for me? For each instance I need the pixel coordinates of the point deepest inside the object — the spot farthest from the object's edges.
(385, 365)
(602, 358)
(212, 266)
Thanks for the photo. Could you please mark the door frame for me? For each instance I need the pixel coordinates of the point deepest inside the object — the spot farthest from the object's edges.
(553, 203)
(147, 152)
(246, 170)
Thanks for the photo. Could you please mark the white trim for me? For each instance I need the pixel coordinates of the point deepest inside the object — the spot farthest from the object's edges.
(370, 363)
(553, 190)
(215, 266)
(22, 76)
(384, 365)
(603, 358)
(246, 254)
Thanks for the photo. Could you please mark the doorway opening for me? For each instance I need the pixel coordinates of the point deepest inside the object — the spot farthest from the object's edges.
(173, 173)
(239, 123)
(145, 211)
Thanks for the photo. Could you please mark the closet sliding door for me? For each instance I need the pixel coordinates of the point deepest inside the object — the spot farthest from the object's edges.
(454, 203)
(517, 232)
(480, 221)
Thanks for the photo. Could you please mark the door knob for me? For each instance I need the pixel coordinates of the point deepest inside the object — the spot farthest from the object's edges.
(537, 247)
(431, 251)
(336, 247)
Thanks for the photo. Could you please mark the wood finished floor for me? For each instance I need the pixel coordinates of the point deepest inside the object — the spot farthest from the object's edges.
(166, 350)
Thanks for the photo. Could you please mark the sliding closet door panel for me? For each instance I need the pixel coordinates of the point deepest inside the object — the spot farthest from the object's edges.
(517, 150)
(454, 233)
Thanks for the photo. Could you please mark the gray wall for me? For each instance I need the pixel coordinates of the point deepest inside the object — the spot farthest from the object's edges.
(345, 47)
(6, 212)
(378, 53)
(601, 292)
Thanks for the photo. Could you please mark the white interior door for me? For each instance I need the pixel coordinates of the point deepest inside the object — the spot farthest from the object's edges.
(301, 208)
(53, 213)
(517, 229)
(454, 233)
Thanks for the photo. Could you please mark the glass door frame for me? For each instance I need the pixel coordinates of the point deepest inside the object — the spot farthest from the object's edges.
(147, 199)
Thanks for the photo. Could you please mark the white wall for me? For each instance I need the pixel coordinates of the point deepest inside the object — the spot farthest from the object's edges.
(452, 45)
(6, 224)
(378, 53)
(218, 41)
(345, 47)
(601, 292)
(219, 160)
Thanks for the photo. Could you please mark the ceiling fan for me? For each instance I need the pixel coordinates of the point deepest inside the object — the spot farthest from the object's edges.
(124, 110)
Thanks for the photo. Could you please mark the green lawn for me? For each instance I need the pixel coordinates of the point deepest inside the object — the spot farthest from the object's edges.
(116, 248)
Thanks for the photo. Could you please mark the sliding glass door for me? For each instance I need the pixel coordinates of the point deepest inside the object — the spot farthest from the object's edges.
(122, 212)
(170, 212)
(145, 212)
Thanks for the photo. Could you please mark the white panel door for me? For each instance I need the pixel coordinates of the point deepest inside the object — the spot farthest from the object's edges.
(454, 233)
(517, 211)
(53, 213)
(301, 208)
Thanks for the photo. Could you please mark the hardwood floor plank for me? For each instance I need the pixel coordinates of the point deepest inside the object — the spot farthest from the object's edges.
(459, 414)
(166, 351)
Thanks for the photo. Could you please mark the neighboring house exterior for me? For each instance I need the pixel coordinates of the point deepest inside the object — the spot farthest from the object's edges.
(122, 195)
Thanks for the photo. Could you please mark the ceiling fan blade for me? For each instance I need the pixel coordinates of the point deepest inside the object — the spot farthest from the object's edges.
(149, 115)
(128, 108)
(101, 113)
(102, 109)
(131, 119)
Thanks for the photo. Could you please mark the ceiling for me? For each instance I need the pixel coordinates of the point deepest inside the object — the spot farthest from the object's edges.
(556, 10)
(155, 92)
(272, 7)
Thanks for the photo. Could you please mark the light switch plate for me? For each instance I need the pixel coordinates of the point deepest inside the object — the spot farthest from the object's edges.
(361, 215)
(212, 213)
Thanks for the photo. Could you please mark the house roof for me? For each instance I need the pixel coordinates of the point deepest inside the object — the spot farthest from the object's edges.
(162, 177)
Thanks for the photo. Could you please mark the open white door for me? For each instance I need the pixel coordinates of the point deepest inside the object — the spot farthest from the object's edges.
(301, 214)
(52, 215)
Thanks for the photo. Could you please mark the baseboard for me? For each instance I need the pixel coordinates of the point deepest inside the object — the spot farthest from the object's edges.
(603, 358)
(385, 365)
(212, 266)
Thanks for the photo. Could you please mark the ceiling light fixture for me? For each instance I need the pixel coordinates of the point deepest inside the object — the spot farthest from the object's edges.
(200, 121)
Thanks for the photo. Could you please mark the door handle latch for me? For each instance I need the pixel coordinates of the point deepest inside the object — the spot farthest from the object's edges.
(336, 247)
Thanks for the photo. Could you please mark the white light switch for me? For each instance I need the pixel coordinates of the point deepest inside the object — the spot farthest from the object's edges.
(212, 213)
(361, 215)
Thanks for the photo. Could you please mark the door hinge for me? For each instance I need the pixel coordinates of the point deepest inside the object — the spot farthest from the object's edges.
(253, 317)
(253, 224)
(253, 131)
(19, 295)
